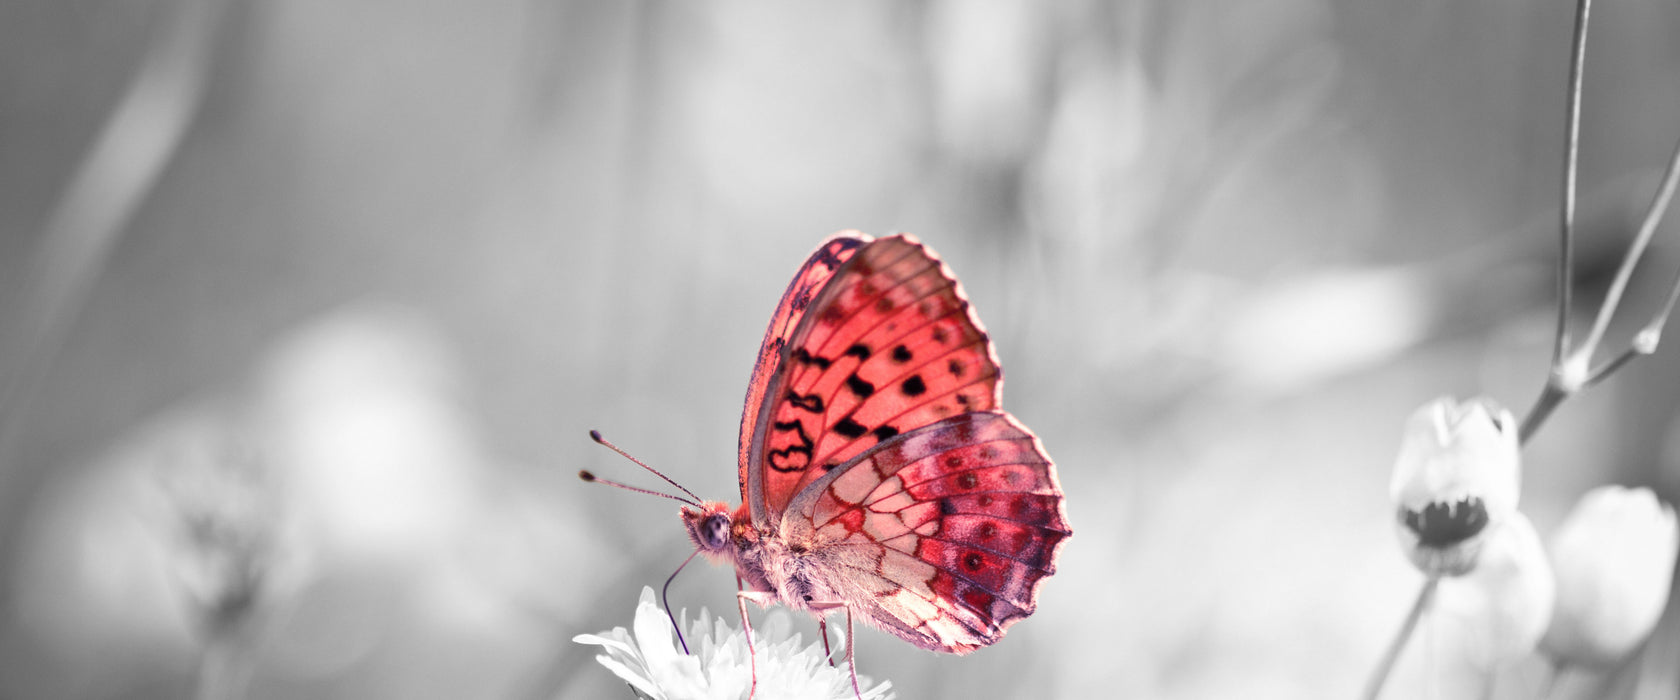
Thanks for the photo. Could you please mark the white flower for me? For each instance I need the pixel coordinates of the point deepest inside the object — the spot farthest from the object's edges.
(1497, 613)
(1614, 557)
(719, 668)
(1457, 475)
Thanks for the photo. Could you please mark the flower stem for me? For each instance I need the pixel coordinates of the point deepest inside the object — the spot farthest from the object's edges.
(1606, 369)
(1571, 158)
(1642, 240)
(1560, 382)
(1386, 666)
(1572, 370)
(1551, 396)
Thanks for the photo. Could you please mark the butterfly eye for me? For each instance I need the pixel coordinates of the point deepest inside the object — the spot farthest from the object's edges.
(715, 531)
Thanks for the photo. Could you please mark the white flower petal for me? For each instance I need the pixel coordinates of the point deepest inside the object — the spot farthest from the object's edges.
(622, 646)
(1451, 450)
(1614, 556)
(719, 667)
(636, 678)
(1498, 612)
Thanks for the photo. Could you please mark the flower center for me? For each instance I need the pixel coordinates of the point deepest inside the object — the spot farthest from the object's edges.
(1445, 524)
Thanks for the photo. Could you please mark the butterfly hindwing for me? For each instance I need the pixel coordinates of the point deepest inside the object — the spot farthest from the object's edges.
(945, 532)
(887, 345)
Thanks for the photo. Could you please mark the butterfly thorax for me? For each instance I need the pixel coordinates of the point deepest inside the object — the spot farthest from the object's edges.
(768, 562)
(796, 570)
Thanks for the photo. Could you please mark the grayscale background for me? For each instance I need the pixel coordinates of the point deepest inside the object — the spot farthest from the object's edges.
(314, 301)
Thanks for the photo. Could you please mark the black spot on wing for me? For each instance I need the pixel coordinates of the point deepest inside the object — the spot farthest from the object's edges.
(809, 402)
(803, 356)
(850, 428)
(782, 460)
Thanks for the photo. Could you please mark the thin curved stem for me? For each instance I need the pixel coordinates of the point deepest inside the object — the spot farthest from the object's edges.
(1568, 372)
(1605, 370)
(1390, 657)
(1641, 241)
(1652, 333)
(1573, 373)
(1571, 169)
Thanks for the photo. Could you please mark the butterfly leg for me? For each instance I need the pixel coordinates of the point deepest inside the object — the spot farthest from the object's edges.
(746, 627)
(822, 628)
(763, 600)
(822, 631)
(851, 661)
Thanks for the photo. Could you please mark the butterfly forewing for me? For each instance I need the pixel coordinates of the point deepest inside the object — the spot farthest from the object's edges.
(946, 530)
(796, 301)
(888, 345)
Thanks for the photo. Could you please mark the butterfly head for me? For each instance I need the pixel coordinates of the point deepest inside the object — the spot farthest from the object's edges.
(712, 527)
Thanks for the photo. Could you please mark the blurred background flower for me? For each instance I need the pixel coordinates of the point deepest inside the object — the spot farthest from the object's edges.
(1457, 478)
(1489, 620)
(1614, 557)
(413, 252)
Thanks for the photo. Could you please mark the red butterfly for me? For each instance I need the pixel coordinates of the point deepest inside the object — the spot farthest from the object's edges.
(878, 475)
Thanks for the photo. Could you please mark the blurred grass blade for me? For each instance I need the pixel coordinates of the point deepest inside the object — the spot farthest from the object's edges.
(121, 167)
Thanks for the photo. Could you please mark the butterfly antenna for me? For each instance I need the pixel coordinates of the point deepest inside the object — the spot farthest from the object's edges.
(590, 477)
(596, 436)
(665, 597)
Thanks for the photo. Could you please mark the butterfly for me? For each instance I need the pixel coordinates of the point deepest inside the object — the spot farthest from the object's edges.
(878, 475)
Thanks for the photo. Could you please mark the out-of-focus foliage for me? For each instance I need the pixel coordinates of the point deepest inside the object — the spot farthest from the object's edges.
(405, 255)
